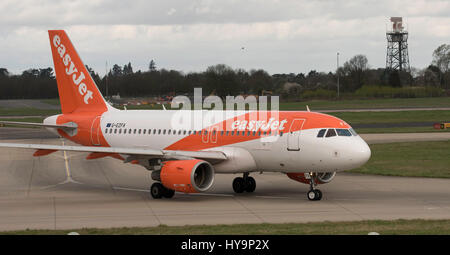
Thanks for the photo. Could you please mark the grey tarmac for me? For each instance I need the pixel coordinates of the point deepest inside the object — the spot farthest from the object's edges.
(66, 191)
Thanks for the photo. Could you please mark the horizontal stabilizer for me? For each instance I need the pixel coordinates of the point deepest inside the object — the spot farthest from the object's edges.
(33, 124)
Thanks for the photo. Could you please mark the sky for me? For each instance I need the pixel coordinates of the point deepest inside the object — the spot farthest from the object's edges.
(279, 36)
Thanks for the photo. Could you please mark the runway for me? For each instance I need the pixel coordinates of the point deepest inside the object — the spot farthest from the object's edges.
(65, 191)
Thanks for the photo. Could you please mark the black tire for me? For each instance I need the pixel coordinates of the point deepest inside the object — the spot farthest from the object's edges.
(238, 185)
(318, 194)
(250, 185)
(157, 190)
(168, 193)
(311, 195)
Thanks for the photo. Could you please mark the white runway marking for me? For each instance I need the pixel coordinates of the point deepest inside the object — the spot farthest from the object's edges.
(131, 189)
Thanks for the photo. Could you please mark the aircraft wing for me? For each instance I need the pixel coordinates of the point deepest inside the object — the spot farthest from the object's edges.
(164, 154)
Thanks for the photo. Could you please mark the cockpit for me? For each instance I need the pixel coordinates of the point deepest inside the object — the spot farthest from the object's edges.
(330, 132)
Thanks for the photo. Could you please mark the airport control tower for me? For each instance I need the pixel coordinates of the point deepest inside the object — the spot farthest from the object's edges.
(397, 46)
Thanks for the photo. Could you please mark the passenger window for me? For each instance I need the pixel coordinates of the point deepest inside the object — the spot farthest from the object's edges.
(143, 131)
(281, 133)
(170, 130)
(134, 131)
(331, 132)
(159, 131)
(120, 131)
(154, 131)
(195, 132)
(129, 131)
(227, 133)
(115, 130)
(321, 133)
(343, 132)
(164, 132)
(139, 132)
(232, 132)
(106, 131)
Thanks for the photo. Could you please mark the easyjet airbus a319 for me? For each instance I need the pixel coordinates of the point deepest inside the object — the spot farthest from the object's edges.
(308, 147)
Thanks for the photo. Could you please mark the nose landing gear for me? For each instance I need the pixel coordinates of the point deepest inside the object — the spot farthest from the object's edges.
(313, 193)
(245, 183)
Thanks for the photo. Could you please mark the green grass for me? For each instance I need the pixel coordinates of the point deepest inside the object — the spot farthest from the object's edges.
(400, 130)
(428, 102)
(27, 112)
(368, 103)
(415, 159)
(53, 101)
(395, 227)
(393, 117)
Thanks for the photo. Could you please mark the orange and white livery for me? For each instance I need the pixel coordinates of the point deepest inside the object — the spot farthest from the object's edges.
(308, 147)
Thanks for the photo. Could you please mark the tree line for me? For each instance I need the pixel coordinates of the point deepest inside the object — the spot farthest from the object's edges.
(223, 80)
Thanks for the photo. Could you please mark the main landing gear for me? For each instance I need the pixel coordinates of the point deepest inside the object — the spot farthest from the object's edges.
(157, 190)
(245, 183)
(313, 193)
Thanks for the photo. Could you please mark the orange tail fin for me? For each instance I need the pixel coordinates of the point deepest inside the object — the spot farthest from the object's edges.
(77, 89)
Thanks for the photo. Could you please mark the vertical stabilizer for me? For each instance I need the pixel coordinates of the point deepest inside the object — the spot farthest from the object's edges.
(77, 89)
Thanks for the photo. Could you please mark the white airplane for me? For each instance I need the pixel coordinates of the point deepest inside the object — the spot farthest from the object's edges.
(308, 147)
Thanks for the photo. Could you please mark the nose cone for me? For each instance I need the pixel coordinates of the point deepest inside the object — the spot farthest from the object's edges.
(363, 153)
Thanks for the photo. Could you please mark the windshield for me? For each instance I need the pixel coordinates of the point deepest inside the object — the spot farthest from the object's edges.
(353, 132)
(343, 132)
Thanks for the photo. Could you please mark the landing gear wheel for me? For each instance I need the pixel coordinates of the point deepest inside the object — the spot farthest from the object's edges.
(157, 190)
(314, 195)
(238, 185)
(250, 184)
(319, 194)
(311, 195)
(168, 193)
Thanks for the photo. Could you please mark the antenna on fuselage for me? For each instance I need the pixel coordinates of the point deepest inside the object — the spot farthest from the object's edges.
(164, 107)
(307, 108)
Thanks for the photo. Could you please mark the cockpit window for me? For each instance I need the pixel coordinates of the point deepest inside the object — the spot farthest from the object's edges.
(321, 133)
(343, 132)
(353, 132)
(331, 133)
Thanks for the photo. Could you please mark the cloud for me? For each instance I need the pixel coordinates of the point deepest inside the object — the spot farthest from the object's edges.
(279, 36)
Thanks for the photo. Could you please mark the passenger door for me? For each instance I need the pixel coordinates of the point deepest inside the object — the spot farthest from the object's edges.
(293, 136)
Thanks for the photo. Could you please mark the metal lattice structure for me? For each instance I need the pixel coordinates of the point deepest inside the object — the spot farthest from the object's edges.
(397, 57)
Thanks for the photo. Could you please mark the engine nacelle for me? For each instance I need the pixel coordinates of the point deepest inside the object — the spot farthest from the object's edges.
(321, 178)
(189, 176)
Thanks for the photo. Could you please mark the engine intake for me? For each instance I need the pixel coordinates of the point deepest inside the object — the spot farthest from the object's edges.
(189, 176)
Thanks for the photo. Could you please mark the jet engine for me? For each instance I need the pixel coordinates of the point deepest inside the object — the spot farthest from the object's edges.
(188, 176)
(321, 178)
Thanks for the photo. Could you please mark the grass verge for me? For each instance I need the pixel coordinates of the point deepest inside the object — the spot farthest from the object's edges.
(415, 159)
(395, 227)
(400, 130)
(27, 112)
